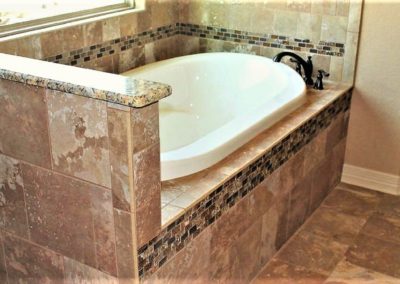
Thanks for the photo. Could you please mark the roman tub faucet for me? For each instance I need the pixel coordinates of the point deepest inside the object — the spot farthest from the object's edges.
(307, 65)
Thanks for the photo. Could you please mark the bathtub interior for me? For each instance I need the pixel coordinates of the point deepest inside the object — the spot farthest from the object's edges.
(209, 92)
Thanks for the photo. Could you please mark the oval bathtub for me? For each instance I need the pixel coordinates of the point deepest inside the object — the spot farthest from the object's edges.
(219, 102)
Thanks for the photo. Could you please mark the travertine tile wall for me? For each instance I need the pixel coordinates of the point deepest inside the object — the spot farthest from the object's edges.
(74, 174)
(315, 20)
(236, 246)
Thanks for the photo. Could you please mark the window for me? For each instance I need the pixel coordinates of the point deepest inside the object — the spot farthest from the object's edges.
(26, 15)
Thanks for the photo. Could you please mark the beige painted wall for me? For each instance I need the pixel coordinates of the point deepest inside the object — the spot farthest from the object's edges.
(374, 134)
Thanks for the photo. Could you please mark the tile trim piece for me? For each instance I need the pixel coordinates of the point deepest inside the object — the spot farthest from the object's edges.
(78, 81)
(114, 46)
(370, 179)
(205, 212)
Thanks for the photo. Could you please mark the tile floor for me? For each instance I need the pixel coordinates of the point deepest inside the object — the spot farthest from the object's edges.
(353, 237)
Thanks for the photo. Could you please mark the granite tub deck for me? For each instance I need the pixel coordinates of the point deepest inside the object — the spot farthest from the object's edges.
(225, 223)
(353, 237)
(83, 82)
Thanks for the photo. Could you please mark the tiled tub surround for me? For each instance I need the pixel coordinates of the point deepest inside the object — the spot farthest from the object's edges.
(327, 30)
(74, 172)
(240, 211)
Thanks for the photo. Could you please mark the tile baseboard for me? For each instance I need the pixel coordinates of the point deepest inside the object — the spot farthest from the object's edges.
(371, 179)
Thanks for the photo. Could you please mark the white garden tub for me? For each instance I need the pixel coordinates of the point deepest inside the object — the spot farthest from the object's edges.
(219, 102)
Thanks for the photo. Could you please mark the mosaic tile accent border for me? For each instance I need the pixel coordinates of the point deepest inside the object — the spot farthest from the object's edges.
(267, 40)
(179, 233)
(107, 48)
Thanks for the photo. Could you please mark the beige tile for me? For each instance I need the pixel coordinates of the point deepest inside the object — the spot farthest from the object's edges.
(131, 58)
(355, 10)
(51, 43)
(312, 252)
(12, 205)
(55, 202)
(72, 38)
(309, 26)
(147, 190)
(23, 124)
(194, 258)
(79, 137)
(111, 28)
(93, 33)
(285, 23)
(336, 68)
(29, 47)
(348, 273)
(299, 5)
(125, 246)
(350, 56)
(334, 28)
(128, 24)
(76, 272)
(277, 271)
(121, 166)
(145, 127)
(324, 7)
(29, 263)
(9, 47)
(342, 7)
(170, 213)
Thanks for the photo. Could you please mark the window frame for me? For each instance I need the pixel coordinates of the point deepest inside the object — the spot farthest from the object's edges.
(45, 22)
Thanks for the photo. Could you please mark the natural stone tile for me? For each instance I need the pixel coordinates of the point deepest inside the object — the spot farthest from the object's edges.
(29, 47)
(79, 137)
(383, 227)
(12, 202)
(147, 191)
(312, 252)
(337, 161)
(348, 273)
(355, 11)
(125, 245)
(270, 226)
(379, 255)
(111, 28)
(9, 47)
(333, 225)
(342, 7)
(52, 43)
(248, 251)
(349, 59)
(132, 58)
(169, 213)
(299, 5)
(314, 152)
(118, 131)
(103, 64)
(28, 263)
(76, 272)
(128, 24)
(92, 33)
(320, 183)
(277, 271)
(195, 259)
(299, 208)
(323, 7)
(145, 127)
(336, 132)
(23, 125)
(356, 202)
(309, 26)
(389, 206)
(73, 38)
(285, 23)
(55, 203)
(336, 68)
(3, 270)
(334, 28)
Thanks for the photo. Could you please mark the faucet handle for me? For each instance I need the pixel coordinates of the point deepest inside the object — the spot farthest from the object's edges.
(323, 73)
(318, 83)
